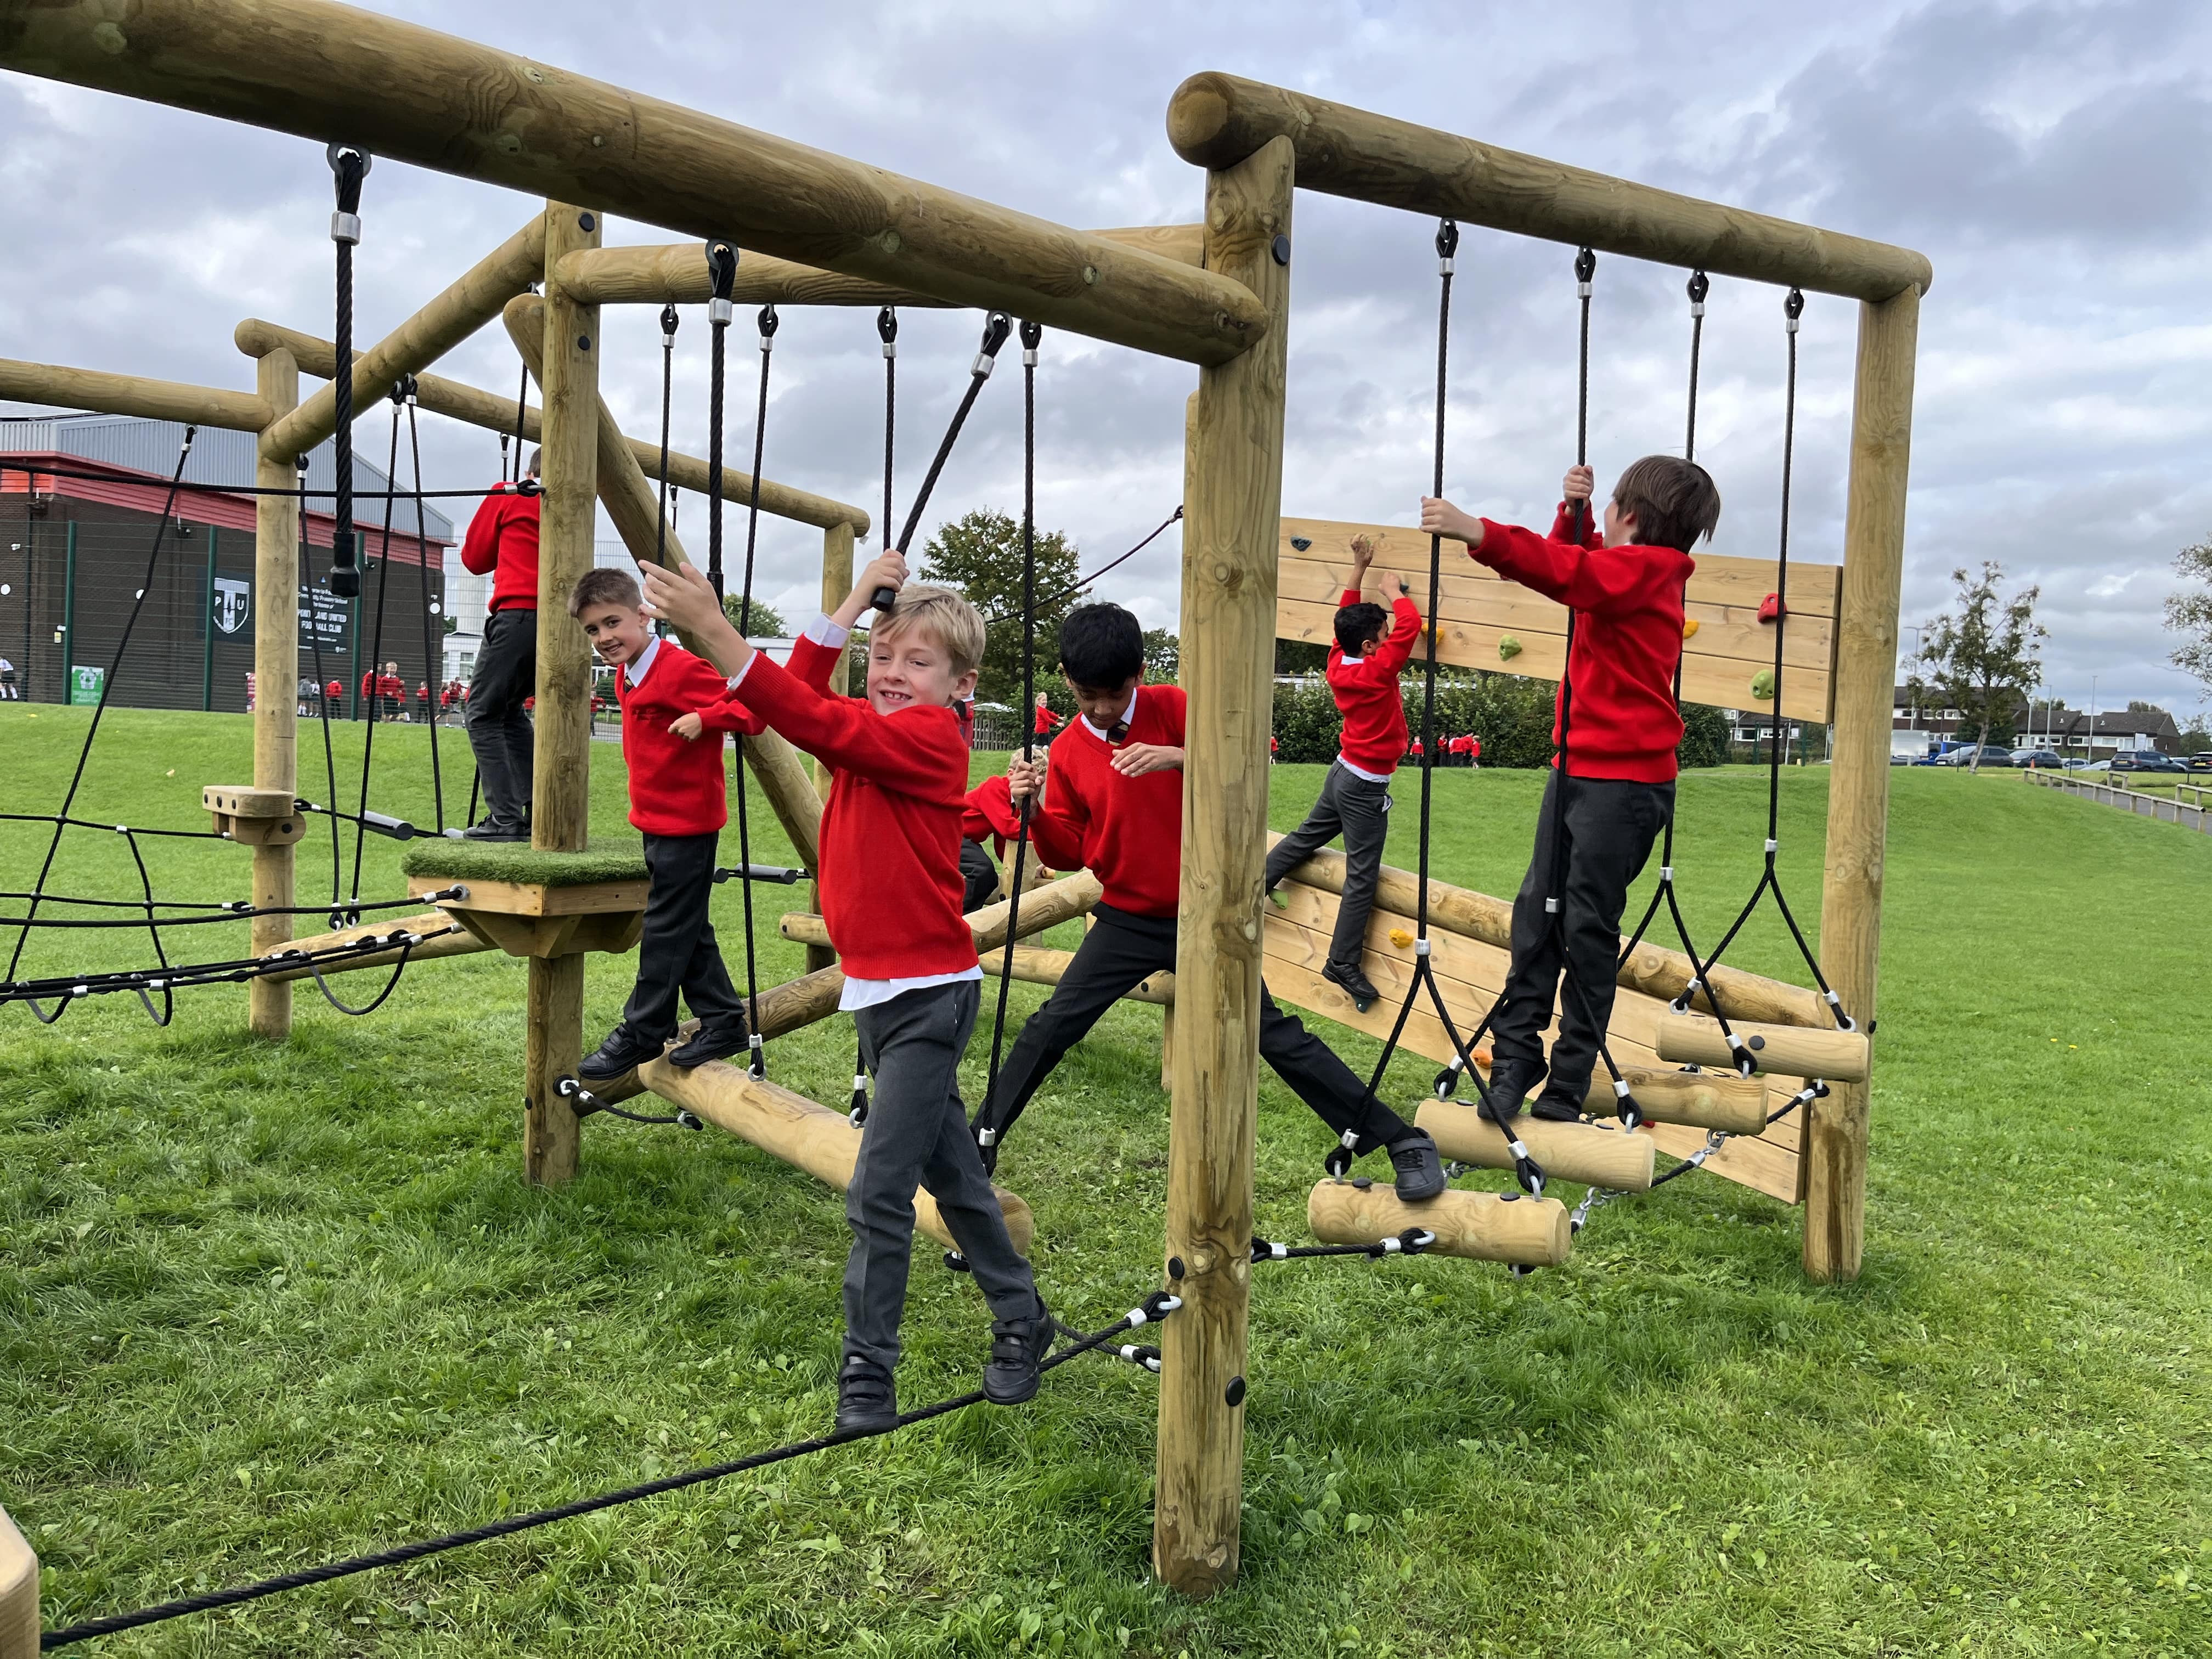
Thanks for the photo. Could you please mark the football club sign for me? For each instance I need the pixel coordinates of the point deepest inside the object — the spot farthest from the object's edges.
(234, 603)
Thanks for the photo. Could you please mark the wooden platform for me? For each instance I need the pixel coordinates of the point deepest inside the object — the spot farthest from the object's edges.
(533, 919)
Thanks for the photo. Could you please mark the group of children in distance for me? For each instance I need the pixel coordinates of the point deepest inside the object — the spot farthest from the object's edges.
(900, 813)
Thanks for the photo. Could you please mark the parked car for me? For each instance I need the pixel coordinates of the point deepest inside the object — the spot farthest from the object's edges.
(2145, 760)
(2047, 759)
(1991, 754)
(2201, 762)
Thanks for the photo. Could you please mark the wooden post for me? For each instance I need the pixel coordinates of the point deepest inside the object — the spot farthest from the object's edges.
(1833, 1164)
(837, 583)
(19, 1594)
(275, 686)
(561, 785)
(1233, 489)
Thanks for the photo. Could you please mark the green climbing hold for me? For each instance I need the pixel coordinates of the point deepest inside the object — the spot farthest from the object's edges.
(1762, 684)
(1507, 648)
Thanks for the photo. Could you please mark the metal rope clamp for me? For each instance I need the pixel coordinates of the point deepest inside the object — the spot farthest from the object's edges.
(769, 323)
(1698, 287)
(345, 223)
(887, 328)
(722, 271)
(1032, 336)
(1447, 245)
(1585, 269)
(995, 332)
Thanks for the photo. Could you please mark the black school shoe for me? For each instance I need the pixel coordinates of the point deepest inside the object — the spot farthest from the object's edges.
(867, 1399)
(490, 831)
(622, 1053)
(1354, 984)
(717, 1044)
(1420, 1171)
(1556, 1108)
(1501, 1097)
(1018, 1349)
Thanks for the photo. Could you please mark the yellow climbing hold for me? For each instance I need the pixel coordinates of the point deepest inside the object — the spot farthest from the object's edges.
(1690, 626)
(1401, 939)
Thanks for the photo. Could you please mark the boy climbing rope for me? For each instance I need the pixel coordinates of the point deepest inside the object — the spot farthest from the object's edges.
(1363, 665)
(670, 701)
(1114, 805)
(1612, 789)
(890, 895)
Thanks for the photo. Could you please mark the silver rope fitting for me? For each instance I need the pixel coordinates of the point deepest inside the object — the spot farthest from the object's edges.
(721, 310)
(1793, 307)
(986, 1137)
(1349, 1139)
(1772, 845)
(346, 228)
(1666, 874)
(1550, 907)
(1421, 948)
(1620, 1088)
(1698, 286)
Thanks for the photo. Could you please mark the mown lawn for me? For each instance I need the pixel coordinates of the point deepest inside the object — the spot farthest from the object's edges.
(260, 1306)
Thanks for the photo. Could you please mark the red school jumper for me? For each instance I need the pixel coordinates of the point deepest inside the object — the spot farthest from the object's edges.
(1622, 723)
(891, 828)
(503, 537)
(1367, 691)
(1046, 720)
(675, 787)
(1126, 831)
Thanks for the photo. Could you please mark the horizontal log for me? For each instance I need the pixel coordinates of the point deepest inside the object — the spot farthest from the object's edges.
(133, 394)
(19, 1594)
(1786, 1050)
(451, 940)
(1216, 120)
(1588, 1152)
(428, 334)
(1698, 1100)
(1530, 1232)
(1038, 964)
(677, 275)
(1652, 969)
(495, 413)
(325, 71)
(1044, 907)
(823, 1143)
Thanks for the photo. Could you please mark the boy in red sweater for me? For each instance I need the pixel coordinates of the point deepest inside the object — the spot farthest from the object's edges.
(890, 895)
(1114, 805)
(1612, 789)
(502, 543)
(1363, 665)
(669, 701)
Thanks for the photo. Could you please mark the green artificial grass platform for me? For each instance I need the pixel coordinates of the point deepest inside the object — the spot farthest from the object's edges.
(606, 858)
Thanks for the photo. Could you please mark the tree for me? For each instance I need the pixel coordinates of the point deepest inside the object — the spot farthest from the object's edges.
(766, 621)
(2189, 614)
(1162, 656)
(1982, 658)
(980, 553)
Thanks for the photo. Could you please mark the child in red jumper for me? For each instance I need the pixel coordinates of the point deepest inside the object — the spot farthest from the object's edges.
(669, 701)
(502, 543)
(1114, 805)
(1355, 797)
(1612, 790)
(890, 895)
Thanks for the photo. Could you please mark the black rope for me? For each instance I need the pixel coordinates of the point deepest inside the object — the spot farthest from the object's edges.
(887, 330)
(235, 970)
(188, 488)
(996, 329)
(433, 657)
(1412, 1242)
(756, 1047)
(95, 823)
(322, 701)
(376, 710)
(668, 322)
(350, 167)
(1156, 1307)
(1077, 587)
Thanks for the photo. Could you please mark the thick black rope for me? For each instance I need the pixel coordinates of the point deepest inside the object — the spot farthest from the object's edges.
(756, 1046)
(350, 167)
(668, 322)
(119, 828)
(376, 649)
(1156, 1307)
(433, 655)
(887, 330)
(322, 701)
(1090, 580)
(1412, 1242)
(228, 910)
(996, 328)
(235, 970)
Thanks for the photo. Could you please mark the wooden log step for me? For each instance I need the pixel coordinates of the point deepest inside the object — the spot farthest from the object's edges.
(823, 1143)
(19, 1594)
(1591, 1153)
(1529, 1232)
(1702, 1100)
(1790, 1050)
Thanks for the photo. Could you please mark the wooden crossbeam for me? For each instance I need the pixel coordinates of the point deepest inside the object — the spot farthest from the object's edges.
(58, 387)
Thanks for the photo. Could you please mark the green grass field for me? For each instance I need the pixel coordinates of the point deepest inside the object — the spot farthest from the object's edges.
(261, 1306)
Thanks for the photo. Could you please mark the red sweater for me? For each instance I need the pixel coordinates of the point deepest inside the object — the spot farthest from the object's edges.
(504, 535)
(989, 814)
(675, 787)
(1367, 691)
(890, 832)
(1623, 722)
(1126, 831)
(1046, 720)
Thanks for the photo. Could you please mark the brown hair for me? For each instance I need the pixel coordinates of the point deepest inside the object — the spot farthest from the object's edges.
(942, 614)
(605, 584)
(1674, 502)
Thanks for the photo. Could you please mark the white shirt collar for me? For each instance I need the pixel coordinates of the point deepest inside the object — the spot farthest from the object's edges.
(1128, 709)
(639, 668)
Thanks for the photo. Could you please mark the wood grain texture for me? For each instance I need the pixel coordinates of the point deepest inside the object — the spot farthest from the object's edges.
(321, 71)
(1233, 491)
(553, 1042)
(131, 394)
(473, 300)
(1592, 1153)
(1858, 785)
(277, 687)
(1215, 120)
(1781, 1050)
(19, 1594)
(1532, 1232)
(1701, 1100)
(452, 941)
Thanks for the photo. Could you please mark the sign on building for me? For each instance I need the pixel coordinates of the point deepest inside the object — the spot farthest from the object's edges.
(86, 684)
(330, 621)
(234, 603)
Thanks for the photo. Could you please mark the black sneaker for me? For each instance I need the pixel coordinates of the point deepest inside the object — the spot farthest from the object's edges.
(717, 1044)
(489, 829)
(1420, 1171)
(1017, 1349)
(867, 1399)
(622, 1053)
(1556, 1108)
(1502, 1097)
(1354, 984)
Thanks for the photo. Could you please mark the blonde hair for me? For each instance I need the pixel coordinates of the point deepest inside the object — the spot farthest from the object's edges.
(945, 616)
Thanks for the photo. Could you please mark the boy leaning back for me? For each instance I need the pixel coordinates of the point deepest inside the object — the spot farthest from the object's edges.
(891, 896)
(670, 702)
(1612, 790)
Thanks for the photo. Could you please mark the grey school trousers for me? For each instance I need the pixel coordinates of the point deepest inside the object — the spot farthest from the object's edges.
(917, 1134)
(1351, 807)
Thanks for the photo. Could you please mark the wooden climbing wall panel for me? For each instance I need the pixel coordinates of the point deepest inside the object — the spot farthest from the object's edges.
(1720, 660)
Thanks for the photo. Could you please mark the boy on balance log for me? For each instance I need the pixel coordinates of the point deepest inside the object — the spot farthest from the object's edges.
(1114, 805)
(891, 896)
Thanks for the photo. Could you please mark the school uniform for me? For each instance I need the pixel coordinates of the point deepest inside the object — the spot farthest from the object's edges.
(1129, 833)
(891, 897)
(502, 543)
(1599, 819)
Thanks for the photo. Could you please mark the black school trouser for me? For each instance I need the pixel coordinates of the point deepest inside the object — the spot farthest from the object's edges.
(499, 731)
(1610, 826)
(1121, 950)
(1359, 811)
(979, 876)
(678, 952)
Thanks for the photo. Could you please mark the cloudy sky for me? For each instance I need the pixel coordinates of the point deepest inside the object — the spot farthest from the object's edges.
(2047, 156)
